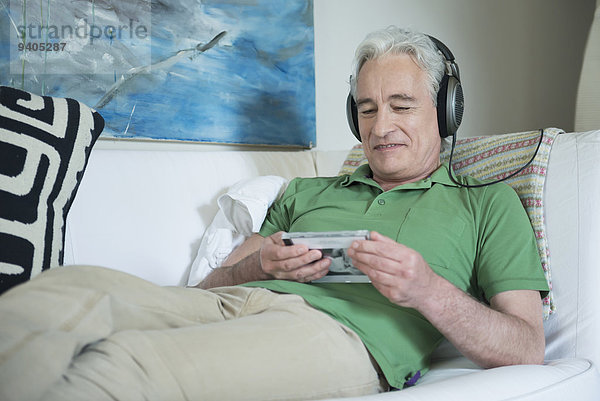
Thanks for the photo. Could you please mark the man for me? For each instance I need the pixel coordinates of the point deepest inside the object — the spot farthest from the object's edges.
(398, 125)
(435, 246)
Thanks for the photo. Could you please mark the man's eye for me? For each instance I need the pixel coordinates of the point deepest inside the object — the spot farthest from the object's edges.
(400, 108)
(367, 112)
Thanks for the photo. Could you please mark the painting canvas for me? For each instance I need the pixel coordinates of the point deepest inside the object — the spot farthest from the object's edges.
(223, 71)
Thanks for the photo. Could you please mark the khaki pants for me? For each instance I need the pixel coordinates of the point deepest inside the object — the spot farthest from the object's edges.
(87, 333)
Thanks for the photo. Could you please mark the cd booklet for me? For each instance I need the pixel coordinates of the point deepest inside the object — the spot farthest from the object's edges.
(333, 245)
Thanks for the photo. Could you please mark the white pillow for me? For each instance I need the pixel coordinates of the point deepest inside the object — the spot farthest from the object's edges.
(242, 211)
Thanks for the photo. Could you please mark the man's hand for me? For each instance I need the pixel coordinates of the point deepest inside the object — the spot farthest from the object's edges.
(259, 259)
(398, 272)
(402, 275)
(293, 262)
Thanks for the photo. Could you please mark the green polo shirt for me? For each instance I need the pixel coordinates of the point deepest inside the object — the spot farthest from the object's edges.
(480, 239)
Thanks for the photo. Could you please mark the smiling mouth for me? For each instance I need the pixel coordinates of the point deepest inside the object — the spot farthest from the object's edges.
(388, 146)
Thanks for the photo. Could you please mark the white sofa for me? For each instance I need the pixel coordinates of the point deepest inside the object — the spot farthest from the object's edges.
(143, 209)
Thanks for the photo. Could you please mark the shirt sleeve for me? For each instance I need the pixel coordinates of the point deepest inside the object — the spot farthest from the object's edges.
(279, 215)
(508, 257)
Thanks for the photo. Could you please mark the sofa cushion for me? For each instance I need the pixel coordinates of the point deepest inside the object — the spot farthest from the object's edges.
(44, 147)
(152, 202)
(496, 157)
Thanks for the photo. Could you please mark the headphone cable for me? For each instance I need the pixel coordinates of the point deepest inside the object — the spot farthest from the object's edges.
(453, 179)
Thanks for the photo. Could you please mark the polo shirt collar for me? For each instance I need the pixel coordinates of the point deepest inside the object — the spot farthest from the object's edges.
(363, 174)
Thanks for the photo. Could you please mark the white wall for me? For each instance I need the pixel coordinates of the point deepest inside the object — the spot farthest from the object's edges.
(519, 59)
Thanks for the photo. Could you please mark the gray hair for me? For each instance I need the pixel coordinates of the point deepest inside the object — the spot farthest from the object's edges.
(394, 40)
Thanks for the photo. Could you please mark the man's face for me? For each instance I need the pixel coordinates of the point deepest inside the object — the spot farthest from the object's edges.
(397, 120)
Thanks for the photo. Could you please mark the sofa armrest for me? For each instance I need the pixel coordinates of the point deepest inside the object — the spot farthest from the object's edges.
(565, 379)
(572, 196)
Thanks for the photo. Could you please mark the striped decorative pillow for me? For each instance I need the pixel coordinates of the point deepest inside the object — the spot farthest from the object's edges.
(45, 143)
(495, 157)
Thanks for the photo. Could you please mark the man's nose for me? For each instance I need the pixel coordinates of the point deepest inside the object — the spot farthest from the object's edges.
(383, 123)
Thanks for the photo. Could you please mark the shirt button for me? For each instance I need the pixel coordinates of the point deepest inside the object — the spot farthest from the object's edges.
(381, 201)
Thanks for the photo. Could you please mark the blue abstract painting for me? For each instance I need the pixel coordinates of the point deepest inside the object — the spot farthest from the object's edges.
(220, 71)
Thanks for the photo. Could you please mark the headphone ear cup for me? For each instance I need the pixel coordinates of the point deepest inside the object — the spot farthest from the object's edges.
(352, 116)
(442, 99)
(450, 105)
(457, 104)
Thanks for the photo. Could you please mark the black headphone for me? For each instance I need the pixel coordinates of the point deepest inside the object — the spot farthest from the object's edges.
(450, 99)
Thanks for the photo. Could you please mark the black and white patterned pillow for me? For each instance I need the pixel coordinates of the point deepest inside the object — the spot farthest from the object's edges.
(45, 143)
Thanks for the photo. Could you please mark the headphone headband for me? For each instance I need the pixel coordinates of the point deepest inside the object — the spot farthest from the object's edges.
(450, 60)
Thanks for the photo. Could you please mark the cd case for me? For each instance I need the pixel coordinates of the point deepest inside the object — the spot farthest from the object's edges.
(333, 245)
